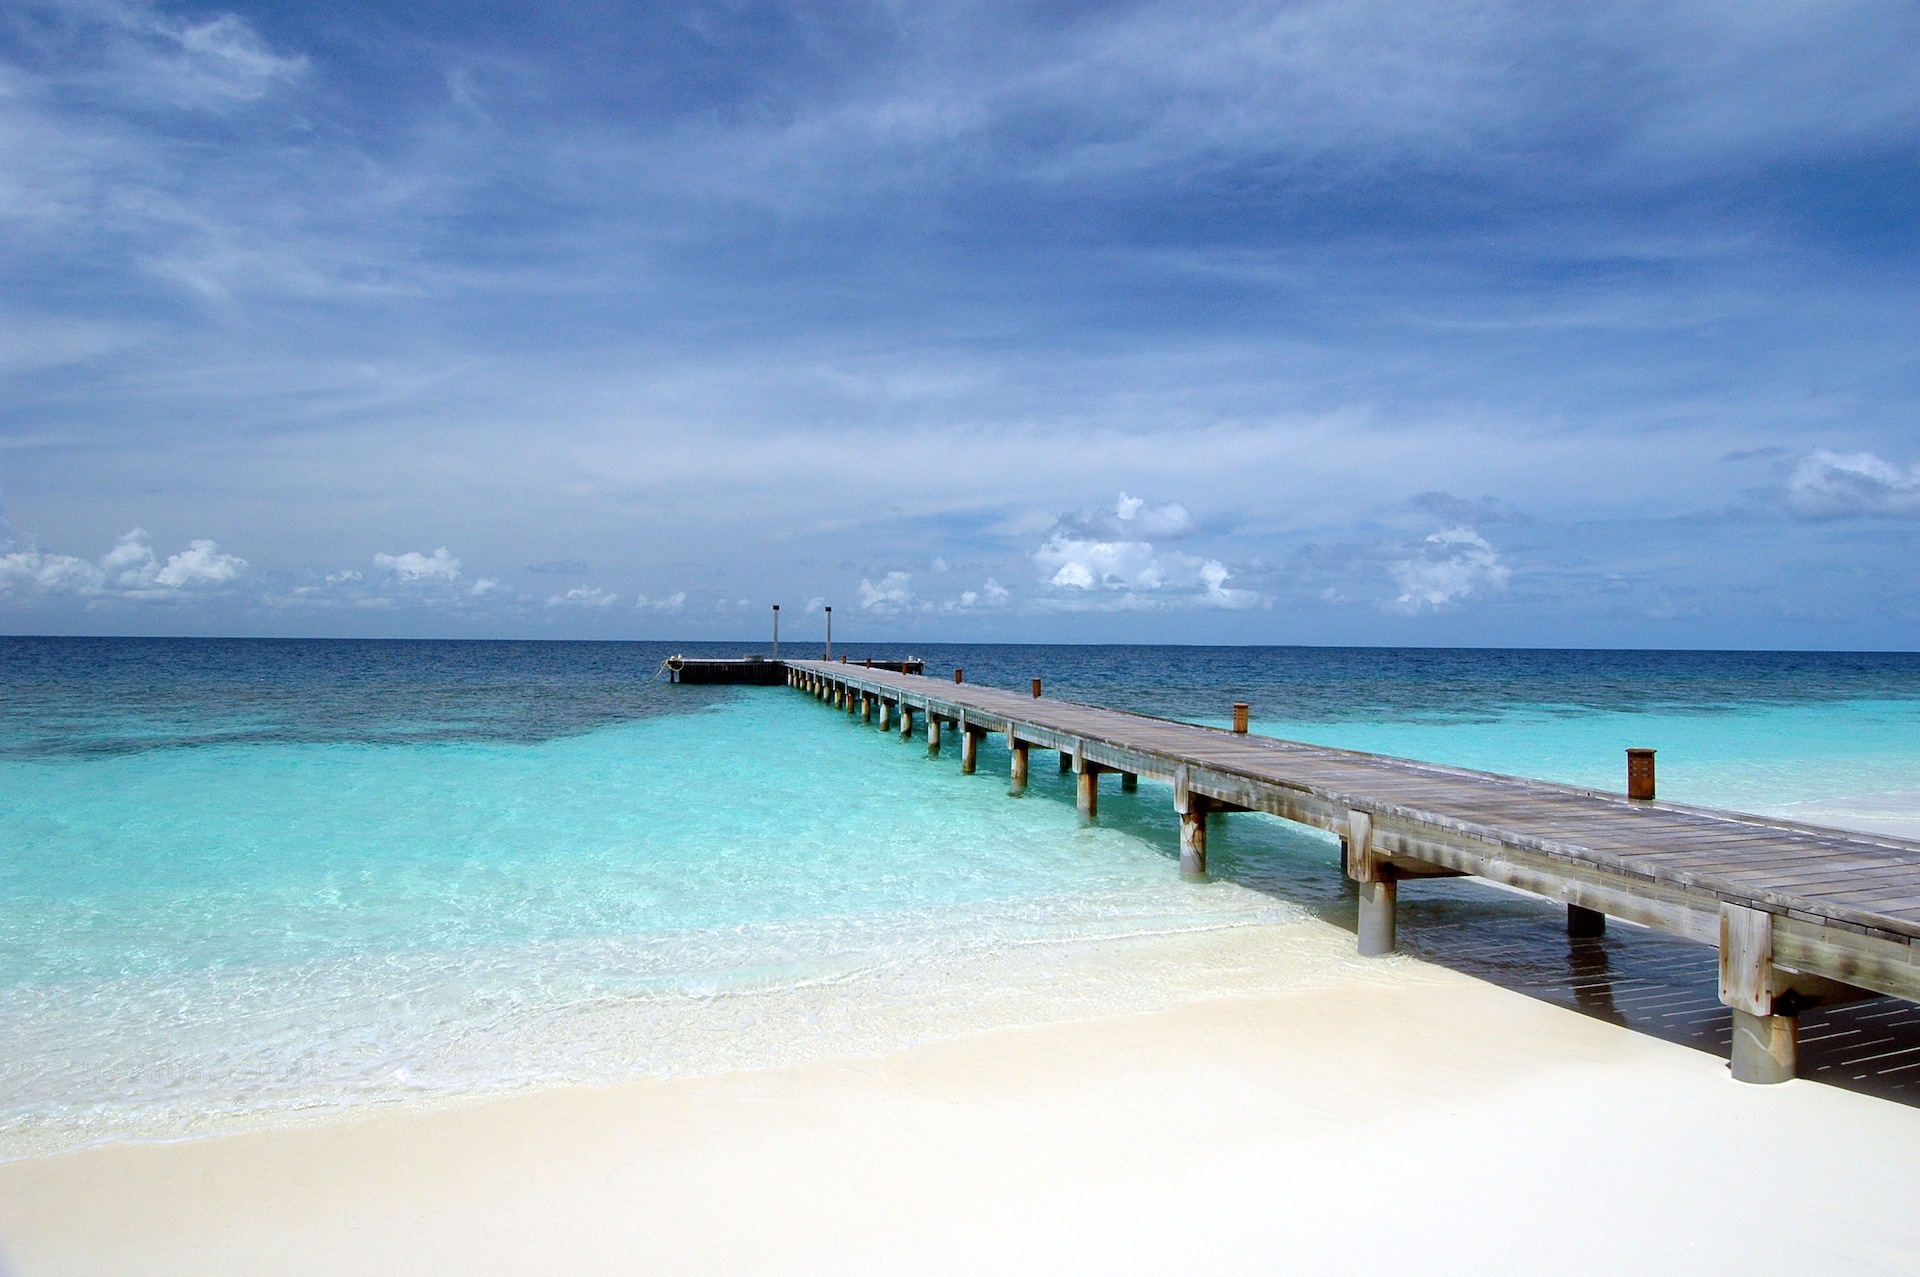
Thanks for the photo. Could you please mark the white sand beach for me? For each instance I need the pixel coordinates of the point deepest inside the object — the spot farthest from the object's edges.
(1427, 1124)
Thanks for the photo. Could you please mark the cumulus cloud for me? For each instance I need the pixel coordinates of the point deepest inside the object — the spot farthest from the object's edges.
(669, 603)
(130, 570)
(414, 566)
(1446, 568)
(892, 594)
(1122, 575)
(1163, 521)
(1840, 485)
(584, 596)
(1105, 562)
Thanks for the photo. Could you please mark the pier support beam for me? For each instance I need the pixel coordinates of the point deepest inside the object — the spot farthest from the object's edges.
(1066, 761)
(933, 736)
(1087, 798)
(1585, 924)
(1129, 782)
(969, 749)
(906, 721)
(1379, 892)
(1377, 906)
(1018, 748)
(886, 714)
(1765, 1044)
(1766, 1048)
(1192, 810)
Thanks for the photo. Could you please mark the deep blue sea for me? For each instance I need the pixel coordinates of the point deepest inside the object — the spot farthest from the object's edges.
(242, 881)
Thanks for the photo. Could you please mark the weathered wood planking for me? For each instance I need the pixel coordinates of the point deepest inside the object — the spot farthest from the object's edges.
(1840, 906)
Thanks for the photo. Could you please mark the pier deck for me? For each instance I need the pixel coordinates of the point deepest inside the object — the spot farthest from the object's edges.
(1802, 914)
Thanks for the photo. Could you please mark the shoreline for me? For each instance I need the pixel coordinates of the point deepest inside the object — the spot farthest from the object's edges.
(1440, 1123)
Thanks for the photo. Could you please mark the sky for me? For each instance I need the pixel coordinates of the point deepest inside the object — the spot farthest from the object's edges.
(1327, 323)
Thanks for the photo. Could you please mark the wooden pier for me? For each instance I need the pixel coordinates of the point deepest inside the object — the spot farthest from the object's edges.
(1802, 915)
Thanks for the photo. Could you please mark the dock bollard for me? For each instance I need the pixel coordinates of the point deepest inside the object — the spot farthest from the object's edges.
(1640, 775)
(1240, 712)
(957, 673)
(1036, 689)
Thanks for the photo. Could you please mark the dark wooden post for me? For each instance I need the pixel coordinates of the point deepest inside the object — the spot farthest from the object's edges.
(1129, 781)
(1585, 924)
(1018, 748)
(1240, 711)
(1036, 689)
(958, 674)
(1087, 796)
(1640, 775)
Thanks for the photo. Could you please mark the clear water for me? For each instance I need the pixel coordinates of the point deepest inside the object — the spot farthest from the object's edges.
(245, 880)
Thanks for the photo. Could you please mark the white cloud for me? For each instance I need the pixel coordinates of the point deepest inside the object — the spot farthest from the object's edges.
(342, 578)
(201, 563)
(1124, 575)
(892, 594)
(129, 570)
(415, 566)
(991, 594)
(484, 586)
(670, 603)
(1449, 566)
(815, 604)
(1838, 485)
(1141, 519)
(584, 596)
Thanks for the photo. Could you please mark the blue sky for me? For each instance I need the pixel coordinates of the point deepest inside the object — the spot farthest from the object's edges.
(1291, 323)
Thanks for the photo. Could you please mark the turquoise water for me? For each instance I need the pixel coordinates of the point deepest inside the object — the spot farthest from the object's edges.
(247, 882)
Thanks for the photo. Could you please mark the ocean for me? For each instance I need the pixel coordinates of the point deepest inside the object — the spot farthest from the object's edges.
(252, 881)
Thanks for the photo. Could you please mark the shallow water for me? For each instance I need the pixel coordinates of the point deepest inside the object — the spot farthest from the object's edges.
(244, 881)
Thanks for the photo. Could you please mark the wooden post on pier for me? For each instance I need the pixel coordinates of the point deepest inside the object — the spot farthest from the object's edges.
(1640, 775)
(1087, 786)
(1192, 810)
(906, 721)
(1765, 1045)
(1379, 893)
(1036, 689)
(1585, 924)
(933, 735)
(969, 747)
(886, 713)
(1240, 711)
(1018, 748)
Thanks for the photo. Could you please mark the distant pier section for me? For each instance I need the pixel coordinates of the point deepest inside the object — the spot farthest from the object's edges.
(760, 670)
(1802, 915)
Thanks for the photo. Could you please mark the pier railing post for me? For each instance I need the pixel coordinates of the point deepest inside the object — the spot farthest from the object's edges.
(1379, 893)
(1018, 748)
(1765, 1045)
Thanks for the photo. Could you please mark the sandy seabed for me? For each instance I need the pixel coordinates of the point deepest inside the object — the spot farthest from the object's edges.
(1420, 1123)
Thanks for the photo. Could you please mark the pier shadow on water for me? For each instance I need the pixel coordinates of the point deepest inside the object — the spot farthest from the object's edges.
(1634, 977)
